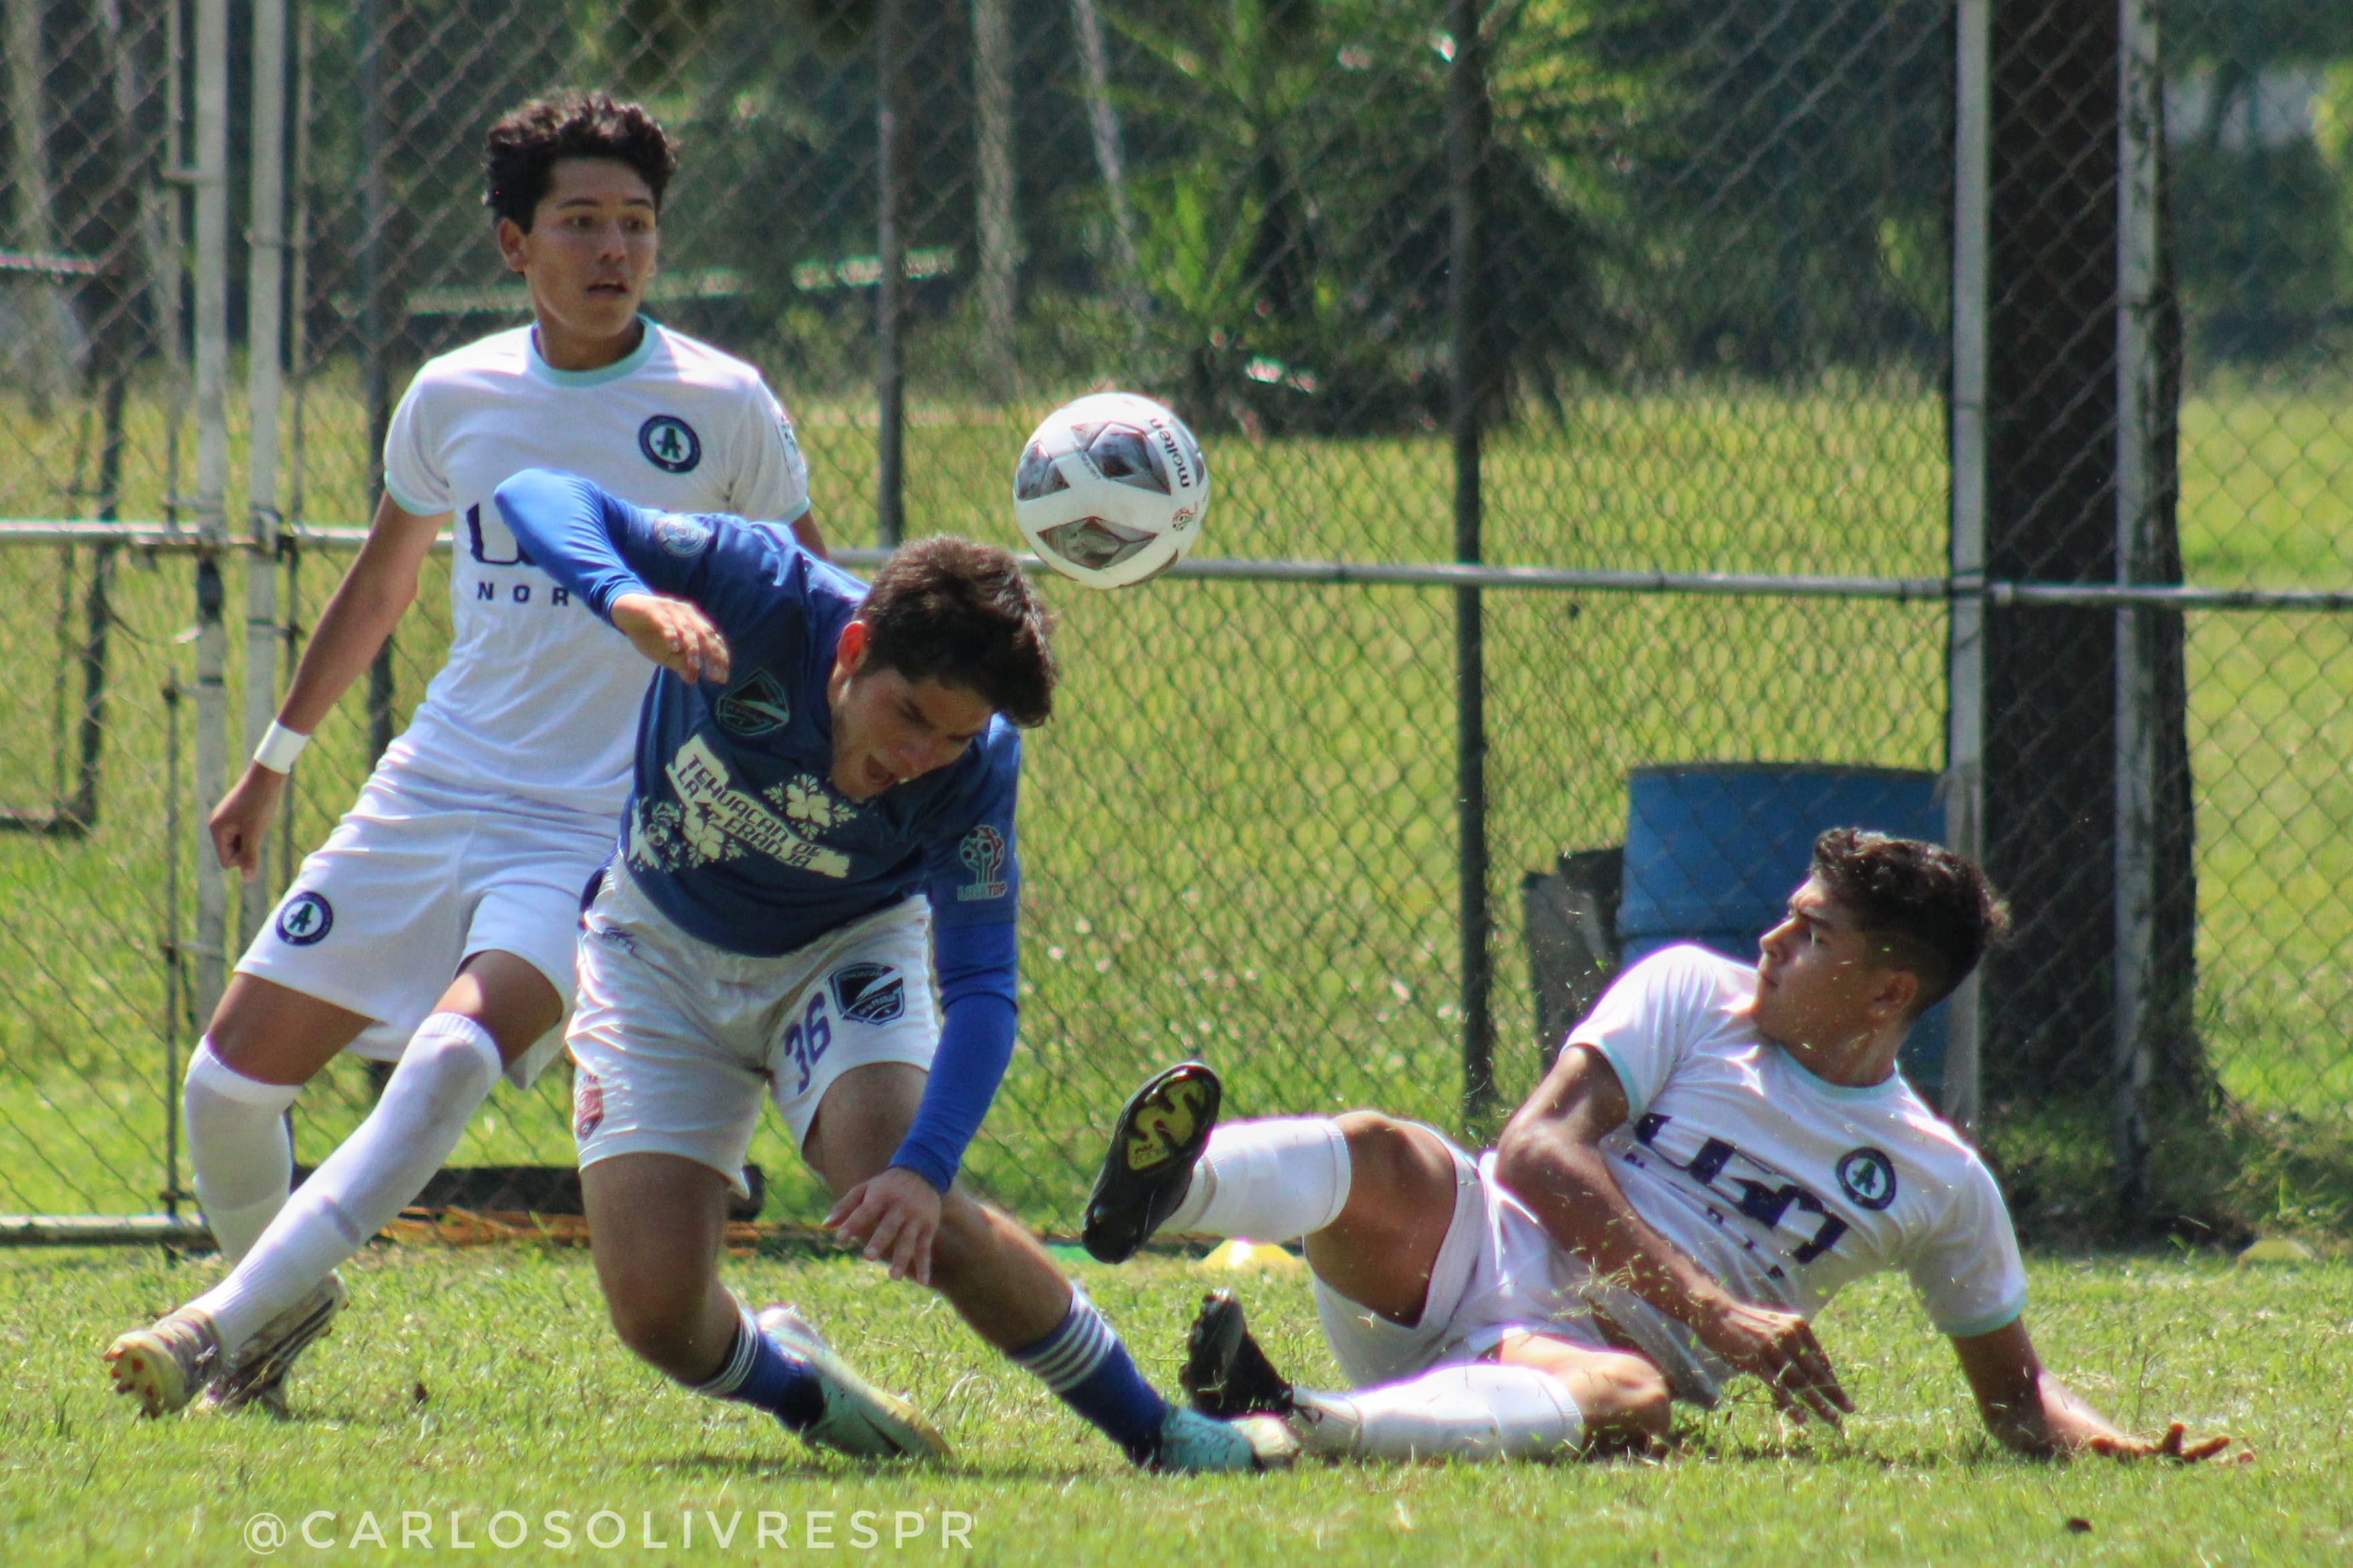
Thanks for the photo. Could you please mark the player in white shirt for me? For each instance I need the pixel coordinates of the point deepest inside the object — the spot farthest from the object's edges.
(1718, 1149)
(436, 925)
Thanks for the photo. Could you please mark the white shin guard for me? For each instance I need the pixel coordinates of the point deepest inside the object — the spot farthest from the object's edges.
(1477, 1412)
(1275, 1180)
(450, 1068)
(243, 1160)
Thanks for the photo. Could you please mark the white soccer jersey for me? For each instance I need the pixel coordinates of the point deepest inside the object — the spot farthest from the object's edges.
(1785, 1187)
(539, 696)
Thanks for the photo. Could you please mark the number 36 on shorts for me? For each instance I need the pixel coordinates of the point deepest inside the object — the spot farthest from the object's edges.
(805, 1041)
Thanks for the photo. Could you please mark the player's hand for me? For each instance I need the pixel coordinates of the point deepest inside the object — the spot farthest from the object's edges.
(895, 1216)
(1780, 1349)
(673, 634)
(242, 816)
(2174, 1445)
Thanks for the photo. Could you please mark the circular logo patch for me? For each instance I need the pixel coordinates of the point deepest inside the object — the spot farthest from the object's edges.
(1868, 1176)
(304, 919)
(682, 535)
(669, 443)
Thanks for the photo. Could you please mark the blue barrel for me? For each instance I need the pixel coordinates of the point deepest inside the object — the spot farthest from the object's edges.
(1715, 849)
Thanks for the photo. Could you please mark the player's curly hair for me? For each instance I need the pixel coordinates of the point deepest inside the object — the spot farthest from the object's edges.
(1932, 911)
(963, 613)
(525, 143)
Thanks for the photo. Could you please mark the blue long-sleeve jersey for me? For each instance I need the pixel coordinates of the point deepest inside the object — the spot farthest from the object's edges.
(734, 829)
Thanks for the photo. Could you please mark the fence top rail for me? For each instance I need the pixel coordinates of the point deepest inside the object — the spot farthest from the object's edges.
(165, 537)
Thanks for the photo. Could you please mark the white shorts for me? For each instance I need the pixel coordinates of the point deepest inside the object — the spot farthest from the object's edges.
(419, 877)
(675, 1042)
(1498, 1273)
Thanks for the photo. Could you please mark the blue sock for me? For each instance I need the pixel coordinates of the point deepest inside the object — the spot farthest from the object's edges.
(1083, 1361)
(758, 1374)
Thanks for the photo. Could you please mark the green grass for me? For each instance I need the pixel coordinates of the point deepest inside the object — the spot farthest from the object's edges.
(470, 1383)
(1239, 831)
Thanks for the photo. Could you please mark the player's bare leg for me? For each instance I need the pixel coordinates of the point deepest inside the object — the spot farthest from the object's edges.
(656, 1222)
(989, 1267)
(265, 1043)
(283, 1293)
(1374, 1198)
(1002, 1283)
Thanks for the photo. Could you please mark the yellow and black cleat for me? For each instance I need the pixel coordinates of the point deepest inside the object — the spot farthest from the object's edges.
(1148, 1169)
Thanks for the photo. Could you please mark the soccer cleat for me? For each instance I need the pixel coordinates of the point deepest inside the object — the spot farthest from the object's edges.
(1192, 1444)
(1226, 1374)
(1160, 1133)
(166, 1363)
(258, 1375)
(859, 1419)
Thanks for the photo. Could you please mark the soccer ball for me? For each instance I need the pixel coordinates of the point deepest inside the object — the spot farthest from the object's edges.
(1110, 489)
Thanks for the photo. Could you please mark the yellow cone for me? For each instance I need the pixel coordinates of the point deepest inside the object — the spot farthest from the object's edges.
(1238, 1255)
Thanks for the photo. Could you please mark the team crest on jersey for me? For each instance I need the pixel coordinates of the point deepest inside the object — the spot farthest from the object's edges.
(868, 992)
(670, 444)
(682, 535)
(305, 919)
(756, 706)
(1868, 1177)
(983, 854)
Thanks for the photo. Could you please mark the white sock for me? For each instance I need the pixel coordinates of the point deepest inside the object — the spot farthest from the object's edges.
(238, 1144)
(1275, 1180)
(1477, 1411)
(450, 1068)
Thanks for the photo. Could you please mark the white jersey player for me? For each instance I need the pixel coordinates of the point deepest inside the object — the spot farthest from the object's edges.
(1718, 1149)
(436, 925)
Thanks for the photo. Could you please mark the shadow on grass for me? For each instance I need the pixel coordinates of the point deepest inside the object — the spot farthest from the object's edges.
(817, 1468)
(2218, 1174)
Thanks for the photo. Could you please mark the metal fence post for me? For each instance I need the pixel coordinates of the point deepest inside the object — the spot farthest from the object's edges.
(375, 213)
(265, 275)
(1963, 781)
(211, 482)
(890, 371)
(2138, 129)
(1466, 127)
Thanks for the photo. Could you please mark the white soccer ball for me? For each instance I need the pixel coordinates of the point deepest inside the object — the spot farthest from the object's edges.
(1110, 489)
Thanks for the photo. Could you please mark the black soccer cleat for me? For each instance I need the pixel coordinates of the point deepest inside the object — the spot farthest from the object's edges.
(1160, 1133)
(1226, 1374)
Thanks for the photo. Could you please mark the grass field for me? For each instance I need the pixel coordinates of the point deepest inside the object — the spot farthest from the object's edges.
(1239, 833)
(465, 1384)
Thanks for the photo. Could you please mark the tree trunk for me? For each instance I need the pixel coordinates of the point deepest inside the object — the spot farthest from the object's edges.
(2050, 673)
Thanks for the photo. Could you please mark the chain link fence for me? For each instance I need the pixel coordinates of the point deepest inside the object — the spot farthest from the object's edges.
(1627, 294)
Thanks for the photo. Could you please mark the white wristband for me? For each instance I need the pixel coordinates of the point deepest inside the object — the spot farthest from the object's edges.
(279, 746)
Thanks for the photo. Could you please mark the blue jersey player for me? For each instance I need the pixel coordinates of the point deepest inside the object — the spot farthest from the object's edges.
(822, 817)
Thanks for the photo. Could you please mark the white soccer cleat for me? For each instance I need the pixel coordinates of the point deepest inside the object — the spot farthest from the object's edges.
(166, 1363)
(258, 1375)
(859, 1419)
(1192, 1444)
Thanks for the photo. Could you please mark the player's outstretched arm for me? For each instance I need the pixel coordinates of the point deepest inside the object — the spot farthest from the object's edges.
(366, 604)
(2030, 1412)
(1550, 1155)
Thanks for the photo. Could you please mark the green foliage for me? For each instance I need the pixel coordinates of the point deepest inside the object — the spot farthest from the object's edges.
(1294, 216)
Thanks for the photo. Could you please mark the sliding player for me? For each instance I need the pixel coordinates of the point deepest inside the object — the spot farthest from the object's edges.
(437, 924)
(1716, 1152)
(823, 819)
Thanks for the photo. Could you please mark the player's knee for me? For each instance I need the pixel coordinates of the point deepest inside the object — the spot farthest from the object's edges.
(1625, 1400)
(657, 1326)
(1389, 1164)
